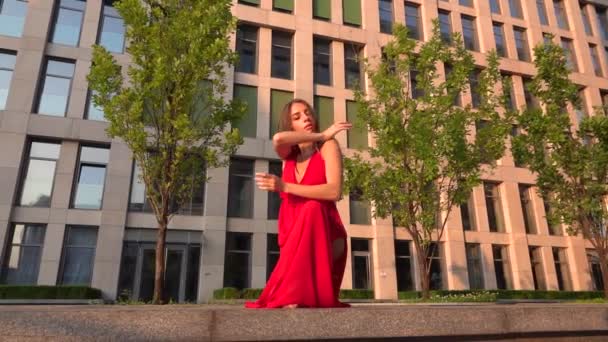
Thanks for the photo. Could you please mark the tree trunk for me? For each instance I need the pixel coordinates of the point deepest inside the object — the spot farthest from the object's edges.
(423, 271)
(159, 273)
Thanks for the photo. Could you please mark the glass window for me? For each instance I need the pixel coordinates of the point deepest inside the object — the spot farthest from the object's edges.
(240, 188)
(249, 96)
(581, 112)
(521, 44)
(602, 20)
(322, 61)
(467, 214)
(542, 12)
(604, 96)
(538, 274)
(554, 228)
(361, 264)
(502, 269)
(596, 270)
(468, 3)
(474, 85)
(324, 109)
(434, 256)
(12, 17)
(321, 9)
(493, 207)
(510, 95)
(360, 209)
(499, 38)
(356, 137)
(531, 100)
(91, 173)
(595, 60)
(278, 100)
(586, 21)
(403, 264)
(37, 186)
(515, 131)
(351, 12)
(469, 33)
(237, 266)
(352, 66)
(495, 6)
(527, 207)
(281, 55)
(445, 26)
(415, 91)
(246, 48)
(250, 2)
(413, 20)
(560, 14)
(283, 5)
(94, 112)
(475, 270)
(274, 200)
(457, 101)
(112, 35)
(7, 65)
(78, 255)
(385, 8)
(562, 270)
(23, 254)
(515, 8)
(68, 22)
(55, 88)
(568, 47)
(272, 253)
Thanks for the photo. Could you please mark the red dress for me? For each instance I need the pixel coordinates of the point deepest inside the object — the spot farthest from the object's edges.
(306, 272)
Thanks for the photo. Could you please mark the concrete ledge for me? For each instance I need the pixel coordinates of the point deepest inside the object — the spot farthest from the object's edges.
(51, 301)
(583, 322)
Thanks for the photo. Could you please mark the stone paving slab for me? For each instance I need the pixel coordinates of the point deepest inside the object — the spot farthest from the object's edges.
(361, 322)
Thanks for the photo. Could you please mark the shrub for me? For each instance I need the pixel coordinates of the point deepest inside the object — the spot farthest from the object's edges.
(48, 292)
(226, 293)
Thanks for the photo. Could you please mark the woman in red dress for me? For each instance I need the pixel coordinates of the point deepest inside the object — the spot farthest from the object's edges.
(312, 238)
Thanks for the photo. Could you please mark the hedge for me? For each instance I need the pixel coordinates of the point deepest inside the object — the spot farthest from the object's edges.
(509, 294)
(48, 292)
(234, 293)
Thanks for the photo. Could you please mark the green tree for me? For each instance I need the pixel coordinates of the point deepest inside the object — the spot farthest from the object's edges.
(570, 160)
(425, 160)
(168, 105)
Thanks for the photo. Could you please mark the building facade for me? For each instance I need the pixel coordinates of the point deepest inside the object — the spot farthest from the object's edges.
(73, 212)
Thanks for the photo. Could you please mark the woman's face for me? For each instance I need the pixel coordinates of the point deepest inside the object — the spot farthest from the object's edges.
(302, 119)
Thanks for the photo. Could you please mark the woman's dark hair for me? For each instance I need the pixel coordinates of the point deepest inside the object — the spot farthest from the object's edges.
(285, 121)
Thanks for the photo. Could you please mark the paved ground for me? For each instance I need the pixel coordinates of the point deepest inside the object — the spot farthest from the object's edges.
(395, 322)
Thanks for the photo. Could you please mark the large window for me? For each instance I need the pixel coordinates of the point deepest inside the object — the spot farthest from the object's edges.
(68, 22)
(23, 254)
(278, 100)
(283, 5)
(37, 185)
(321, 9)
(249, 96)
(55, 87)
(515, 9)
(385, 8)
(554, 227)
(474, 78)
(413, 20)
(473, 252)
(542, 12)
(467, 214)
(468, 3)
(274, 200)
(322, 61)
(521, 44)
(499, 38)
(586, 21)
(403, 265)
(538, 274)
(352, 66)
(78, 255)
(469, 33)
(531, 100)
(112, 35)
(360, 209)
(493, 207)
(595, 269)
(560, 14)
(246, 48)
(355, 137)
(281, 55)
(502, 269)
(495, 6)
(568, 47)
(240, 188)
(602, 21)
(255, 3)
(94, 112)
(434, 257)
(324, 109)
(562, 271)
(12, 17)
(91, 175)
(595, 60)
(237, 267)
(445, 26)
(272, 253)
(7, 65)
(361, 264)
(351, 12)
(527, 207)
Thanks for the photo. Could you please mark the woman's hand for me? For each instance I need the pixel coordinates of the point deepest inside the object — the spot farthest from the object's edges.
(269, 182)
(332, 130)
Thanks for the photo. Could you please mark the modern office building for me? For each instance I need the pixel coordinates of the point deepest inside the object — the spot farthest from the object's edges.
(73, 212)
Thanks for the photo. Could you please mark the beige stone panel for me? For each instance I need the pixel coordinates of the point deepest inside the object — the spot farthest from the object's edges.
(12, 146)
(487, 260)
(58, 215)
(77, 104)
(141, 220)
(216, 199)
(383, 263)
(30, 215)
(92, 15)
(456, 265)
(50, 126)
(214, 242)
(263, 122)
(11, 43)
(212, 278)
(258, 260)
(5, 212)
(21, 95)
(252, 147)
(51, 254)
(113, 217)
(578, 264)
(13, 122)
(303, 68)
(187, 222)
(86, 217)
(37, 20)
(519, 261)
(105, 277)
(336, 12)
(8, 184)
(347, 278)
(109, 244)
(62, 190)
(269, 152)
(116, 193)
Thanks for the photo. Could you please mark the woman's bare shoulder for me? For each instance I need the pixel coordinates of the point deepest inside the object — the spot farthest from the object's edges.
(330, 147)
